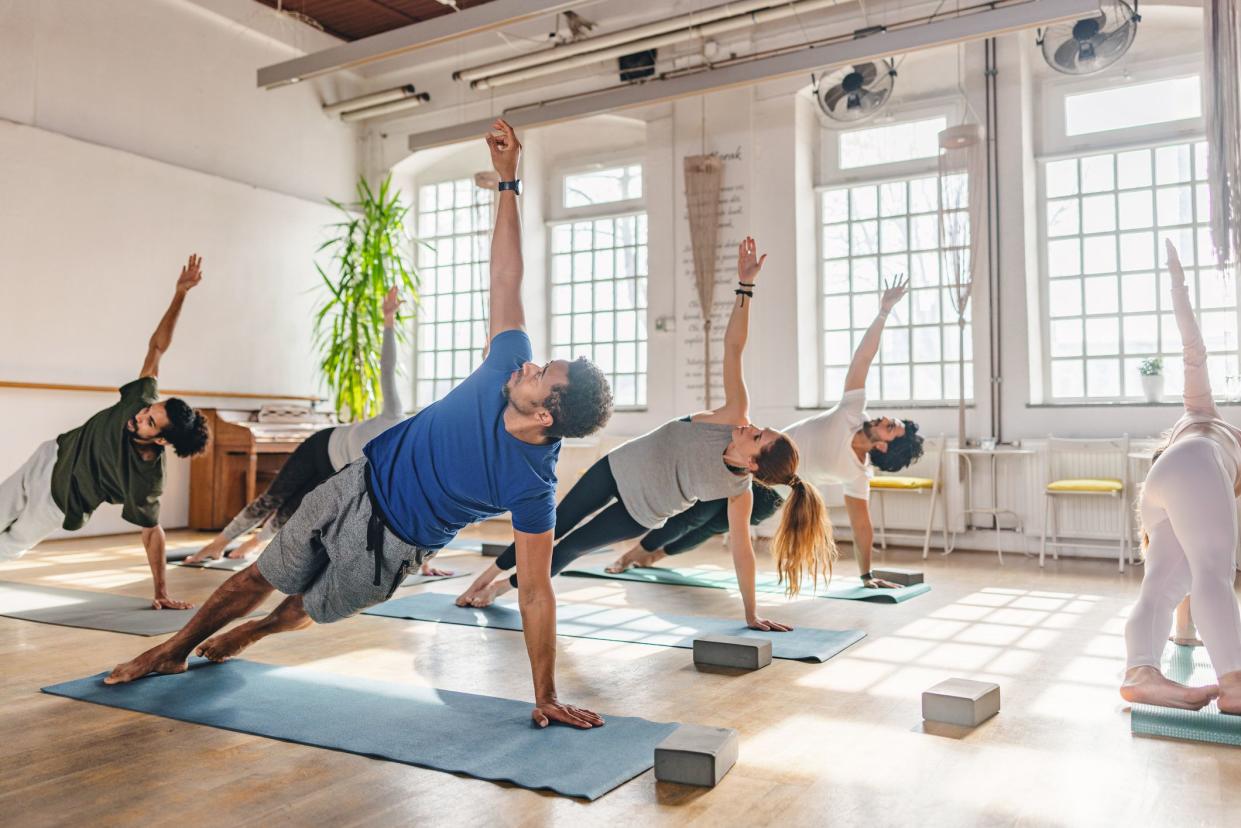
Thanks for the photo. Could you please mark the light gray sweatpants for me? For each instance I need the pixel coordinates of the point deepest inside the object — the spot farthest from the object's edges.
(28, 514)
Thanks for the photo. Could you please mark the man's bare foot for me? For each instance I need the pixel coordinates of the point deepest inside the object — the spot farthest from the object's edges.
(487, 596)
(466, 599)
(154, 660)
(1229, 700)
(224, 646)
(245, 549)
(210, 552)
(1146, 685)
(636, 557)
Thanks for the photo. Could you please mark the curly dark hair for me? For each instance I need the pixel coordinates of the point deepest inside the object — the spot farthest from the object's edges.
(186, 429)
(902, 452)
(583, 405)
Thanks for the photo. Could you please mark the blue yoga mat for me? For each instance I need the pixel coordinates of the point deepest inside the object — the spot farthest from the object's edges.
(613, 624)
(1188, 665)
(480, 736)
(726, 579)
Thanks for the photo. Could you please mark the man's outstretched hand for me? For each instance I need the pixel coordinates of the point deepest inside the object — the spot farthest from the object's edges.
(547, 712)
(505, 149)
(191, 274)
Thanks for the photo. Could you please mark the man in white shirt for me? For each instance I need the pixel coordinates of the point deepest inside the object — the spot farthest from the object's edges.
(840, 445)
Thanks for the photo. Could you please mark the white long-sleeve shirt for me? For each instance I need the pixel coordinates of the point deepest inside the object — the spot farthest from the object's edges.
(1201, 417)
(346, 442)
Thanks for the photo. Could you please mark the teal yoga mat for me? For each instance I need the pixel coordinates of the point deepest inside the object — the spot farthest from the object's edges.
(620, 624)
(725, 579)
(1188, 665)
(480, 736)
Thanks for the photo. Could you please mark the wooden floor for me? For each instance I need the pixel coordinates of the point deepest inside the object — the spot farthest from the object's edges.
(840, 743)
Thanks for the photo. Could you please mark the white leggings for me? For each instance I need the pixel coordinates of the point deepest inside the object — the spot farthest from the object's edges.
(1189, 513)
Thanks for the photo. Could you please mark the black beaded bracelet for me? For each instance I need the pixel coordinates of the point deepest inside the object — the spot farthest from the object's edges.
(745, 284)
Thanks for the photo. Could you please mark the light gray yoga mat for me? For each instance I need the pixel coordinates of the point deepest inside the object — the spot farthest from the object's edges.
(89, 610)
(181, 553)
(227, 564)
(1188, 665)
(418, 580)
(613, 624)
(480, 736)
(764, 582)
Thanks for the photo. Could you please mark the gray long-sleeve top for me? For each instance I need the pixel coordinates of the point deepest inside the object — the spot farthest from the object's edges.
(345, 443)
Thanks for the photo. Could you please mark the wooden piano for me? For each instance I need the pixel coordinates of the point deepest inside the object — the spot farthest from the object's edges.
(243, 455)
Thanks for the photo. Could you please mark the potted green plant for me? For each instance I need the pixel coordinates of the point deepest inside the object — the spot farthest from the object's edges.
(1152, 378)
(371, 251)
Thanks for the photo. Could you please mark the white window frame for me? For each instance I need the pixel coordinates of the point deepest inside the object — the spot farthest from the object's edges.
(832, 177)
(1057, 146)
(1053, 91)
(418, 235)
(558, 213)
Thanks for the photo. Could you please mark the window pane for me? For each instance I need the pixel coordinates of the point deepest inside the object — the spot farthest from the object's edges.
(1120, 313)
(891, 228)
(602, 186)
(608, 324)
(1131, 105)
(890, 143)
(453, 221)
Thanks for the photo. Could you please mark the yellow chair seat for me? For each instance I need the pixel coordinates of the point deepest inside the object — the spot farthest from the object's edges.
(895, 481)
(1086, 484)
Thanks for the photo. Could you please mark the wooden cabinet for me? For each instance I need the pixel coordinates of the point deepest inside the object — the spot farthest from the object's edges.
(242, 457)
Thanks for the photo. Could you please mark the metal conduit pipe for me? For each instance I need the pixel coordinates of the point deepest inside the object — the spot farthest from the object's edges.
(693, 32)
(630, 35)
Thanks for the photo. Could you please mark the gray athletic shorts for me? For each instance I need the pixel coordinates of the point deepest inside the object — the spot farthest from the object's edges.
(326, 552)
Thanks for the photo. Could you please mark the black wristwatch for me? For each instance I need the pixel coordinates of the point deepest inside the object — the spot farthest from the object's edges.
(514, 185)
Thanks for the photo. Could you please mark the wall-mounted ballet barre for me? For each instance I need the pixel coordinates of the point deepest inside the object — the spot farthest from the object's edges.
(108, 389)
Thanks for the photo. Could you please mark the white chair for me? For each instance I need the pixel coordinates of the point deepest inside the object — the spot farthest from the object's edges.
(883, 485)
(1091, 468)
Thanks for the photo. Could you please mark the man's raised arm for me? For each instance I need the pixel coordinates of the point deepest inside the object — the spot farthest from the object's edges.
(869, 346)
(506, 266)
(190, 276)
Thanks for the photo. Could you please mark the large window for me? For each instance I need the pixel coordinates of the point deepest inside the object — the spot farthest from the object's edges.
(872, 233)
(1107, 296)
(454, 231)
(598, 277)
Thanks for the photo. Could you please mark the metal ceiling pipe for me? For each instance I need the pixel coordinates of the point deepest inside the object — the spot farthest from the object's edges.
(629, 35)
(386, 108)
(695, 32)
(373, 99)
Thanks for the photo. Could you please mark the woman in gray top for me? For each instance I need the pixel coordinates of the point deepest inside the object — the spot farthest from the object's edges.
(315, 460)
(710, 455)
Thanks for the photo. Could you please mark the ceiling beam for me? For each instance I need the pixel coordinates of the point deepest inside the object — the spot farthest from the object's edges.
(993, 21)
(408, 38)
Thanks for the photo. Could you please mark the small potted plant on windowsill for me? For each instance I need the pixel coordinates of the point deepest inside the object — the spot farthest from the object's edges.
(1152, 378)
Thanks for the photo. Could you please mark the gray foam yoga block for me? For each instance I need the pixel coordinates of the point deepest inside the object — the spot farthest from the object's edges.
(961, 702)
(696, 755)
(732, 651)
(493, 550)
(904, 577)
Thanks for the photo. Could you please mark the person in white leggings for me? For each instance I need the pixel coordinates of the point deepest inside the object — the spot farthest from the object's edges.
(1188, 513)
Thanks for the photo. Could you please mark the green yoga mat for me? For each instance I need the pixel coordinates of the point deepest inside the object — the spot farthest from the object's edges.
(725, 579)
(1188, 665)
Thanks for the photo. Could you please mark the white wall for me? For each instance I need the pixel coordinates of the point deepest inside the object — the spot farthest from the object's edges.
(131, 134)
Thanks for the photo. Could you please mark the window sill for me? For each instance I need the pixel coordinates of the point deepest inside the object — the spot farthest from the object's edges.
(886, 406)
(1127, 404)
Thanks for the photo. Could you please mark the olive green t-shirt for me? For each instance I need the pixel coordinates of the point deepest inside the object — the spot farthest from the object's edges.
(97, 463)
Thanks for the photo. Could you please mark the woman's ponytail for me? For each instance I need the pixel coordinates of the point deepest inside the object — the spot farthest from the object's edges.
(804, 547)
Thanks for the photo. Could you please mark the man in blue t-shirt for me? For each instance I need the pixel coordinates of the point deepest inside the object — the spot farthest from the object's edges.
(488, 447)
